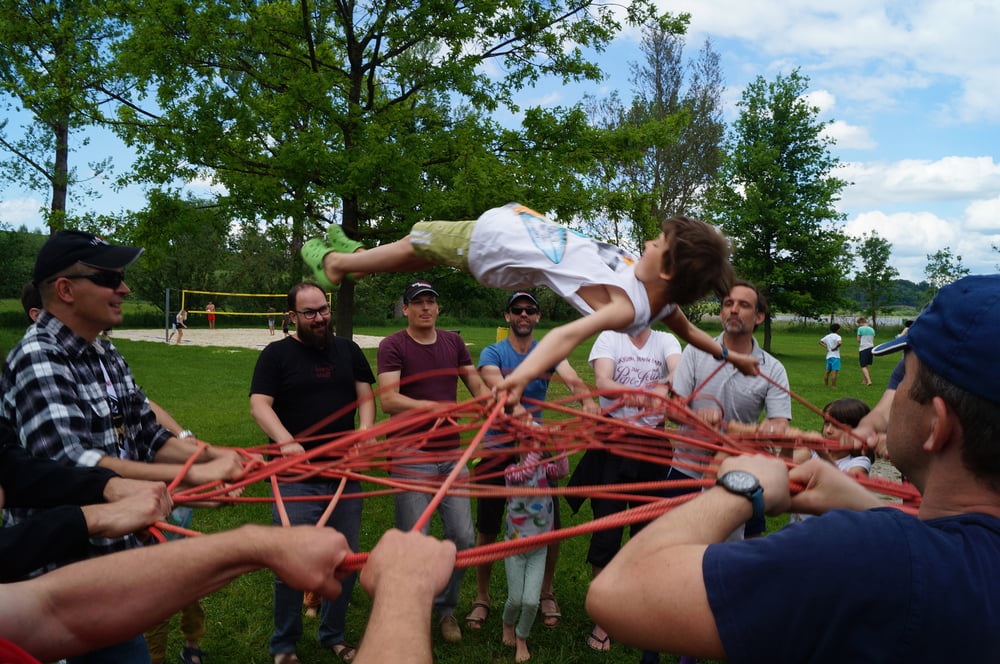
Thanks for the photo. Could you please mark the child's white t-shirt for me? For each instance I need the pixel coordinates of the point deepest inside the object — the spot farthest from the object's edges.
(514, 247)
(832, 342)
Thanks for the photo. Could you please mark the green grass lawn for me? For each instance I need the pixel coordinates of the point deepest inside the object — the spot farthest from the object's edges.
(206, 389)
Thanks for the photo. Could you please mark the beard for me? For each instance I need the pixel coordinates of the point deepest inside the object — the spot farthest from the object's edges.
(735, 326)
(316, 334)
(519, 329)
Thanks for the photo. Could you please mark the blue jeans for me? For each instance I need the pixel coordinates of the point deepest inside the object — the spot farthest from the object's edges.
(133, 651)
(455, 513)
(346, 519)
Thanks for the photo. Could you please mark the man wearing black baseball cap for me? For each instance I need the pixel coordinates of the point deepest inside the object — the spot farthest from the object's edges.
(497, 361)
(887, 586)
(422, 348)
(70, 396)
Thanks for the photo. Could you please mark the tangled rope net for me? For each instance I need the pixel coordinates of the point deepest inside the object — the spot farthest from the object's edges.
(491, 435)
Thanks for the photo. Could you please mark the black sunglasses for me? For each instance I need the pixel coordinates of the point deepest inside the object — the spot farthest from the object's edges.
(106, 279)
(517, 311)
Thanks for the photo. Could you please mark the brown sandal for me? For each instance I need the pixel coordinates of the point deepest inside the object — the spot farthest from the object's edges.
(477, 622)
(551, 617)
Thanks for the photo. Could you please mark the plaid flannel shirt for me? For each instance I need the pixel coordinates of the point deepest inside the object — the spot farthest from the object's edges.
(54, 396)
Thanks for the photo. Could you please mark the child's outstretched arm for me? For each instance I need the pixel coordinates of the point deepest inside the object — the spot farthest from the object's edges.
(560, 342)
(698, 338)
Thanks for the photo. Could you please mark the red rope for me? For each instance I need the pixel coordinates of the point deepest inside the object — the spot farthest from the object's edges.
(406, 439)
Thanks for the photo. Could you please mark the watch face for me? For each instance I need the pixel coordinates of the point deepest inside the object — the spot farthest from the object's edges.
(740, 481)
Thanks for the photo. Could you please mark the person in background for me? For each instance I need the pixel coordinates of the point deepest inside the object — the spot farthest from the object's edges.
(642, 361)
(866, 341)
(831, 342)
(210, 308)
(180, 324)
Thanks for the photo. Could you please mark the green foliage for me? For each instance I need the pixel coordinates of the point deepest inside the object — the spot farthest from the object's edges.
(665, 144)
(183, 241)
(18, 249)
(52, 56)
(943, 268)
(875, 276)
(775, 199)
(373, 114)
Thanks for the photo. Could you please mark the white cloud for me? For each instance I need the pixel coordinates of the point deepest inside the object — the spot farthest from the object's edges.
(984, 216)
(20, 211)
(902, 45)
(824, 100)
(849, 136)
(877, 184)
(909, 232)
(915, 235)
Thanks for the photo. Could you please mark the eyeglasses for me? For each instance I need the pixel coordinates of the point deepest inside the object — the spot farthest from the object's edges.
(105, 279)
(310, 314)
(517, 311)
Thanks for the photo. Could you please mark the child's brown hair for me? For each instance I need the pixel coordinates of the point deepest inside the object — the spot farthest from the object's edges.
(697, 260)
(847, 410)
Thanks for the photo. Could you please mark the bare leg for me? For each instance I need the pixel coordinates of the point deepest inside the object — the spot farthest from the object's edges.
(508, 635)
(868, 378)
(393, 257)
(522, 654)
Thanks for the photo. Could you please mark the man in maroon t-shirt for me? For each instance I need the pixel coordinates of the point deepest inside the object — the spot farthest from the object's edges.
(420, 348)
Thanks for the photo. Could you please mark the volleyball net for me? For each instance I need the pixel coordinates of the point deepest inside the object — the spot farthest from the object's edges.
(254, 305)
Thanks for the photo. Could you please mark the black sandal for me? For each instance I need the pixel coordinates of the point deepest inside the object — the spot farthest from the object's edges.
(189, 655)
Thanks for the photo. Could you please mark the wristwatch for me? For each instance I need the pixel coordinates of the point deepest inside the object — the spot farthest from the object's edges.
(744, 484)
(187, 433)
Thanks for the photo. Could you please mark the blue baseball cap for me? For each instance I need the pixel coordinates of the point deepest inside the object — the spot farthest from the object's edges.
(955, 337)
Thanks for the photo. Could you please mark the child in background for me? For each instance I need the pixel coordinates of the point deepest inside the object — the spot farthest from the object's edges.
(866, 342)
(514, 247)
(847, 411)
(527, 516)
(831, 343)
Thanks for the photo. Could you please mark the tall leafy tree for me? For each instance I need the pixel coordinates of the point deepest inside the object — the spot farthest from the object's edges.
(371, 113)
(184, 241)
(671, 134)
(775, 197)
(52, 58)
(875, 278)
(943, 267)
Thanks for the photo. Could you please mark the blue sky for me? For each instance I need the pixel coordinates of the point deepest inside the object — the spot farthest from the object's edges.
(911, 87)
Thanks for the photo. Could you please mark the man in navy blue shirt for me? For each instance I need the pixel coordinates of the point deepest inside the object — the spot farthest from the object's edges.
(863, 582)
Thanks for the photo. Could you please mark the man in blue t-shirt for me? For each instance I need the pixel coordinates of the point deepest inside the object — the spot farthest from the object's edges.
(863, 581)
(522, 314)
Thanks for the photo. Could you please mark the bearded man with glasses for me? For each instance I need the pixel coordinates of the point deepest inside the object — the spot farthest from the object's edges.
(297, 383)
(71, 397)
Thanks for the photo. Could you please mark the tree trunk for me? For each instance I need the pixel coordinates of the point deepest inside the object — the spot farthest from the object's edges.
(345, 296)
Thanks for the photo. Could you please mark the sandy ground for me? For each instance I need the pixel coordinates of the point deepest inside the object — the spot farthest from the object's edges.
(228, 337)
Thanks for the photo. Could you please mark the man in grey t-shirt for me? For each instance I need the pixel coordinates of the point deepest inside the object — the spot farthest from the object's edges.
(740, 398)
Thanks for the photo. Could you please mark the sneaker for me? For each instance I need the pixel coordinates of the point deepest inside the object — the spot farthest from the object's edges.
(450, 630)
